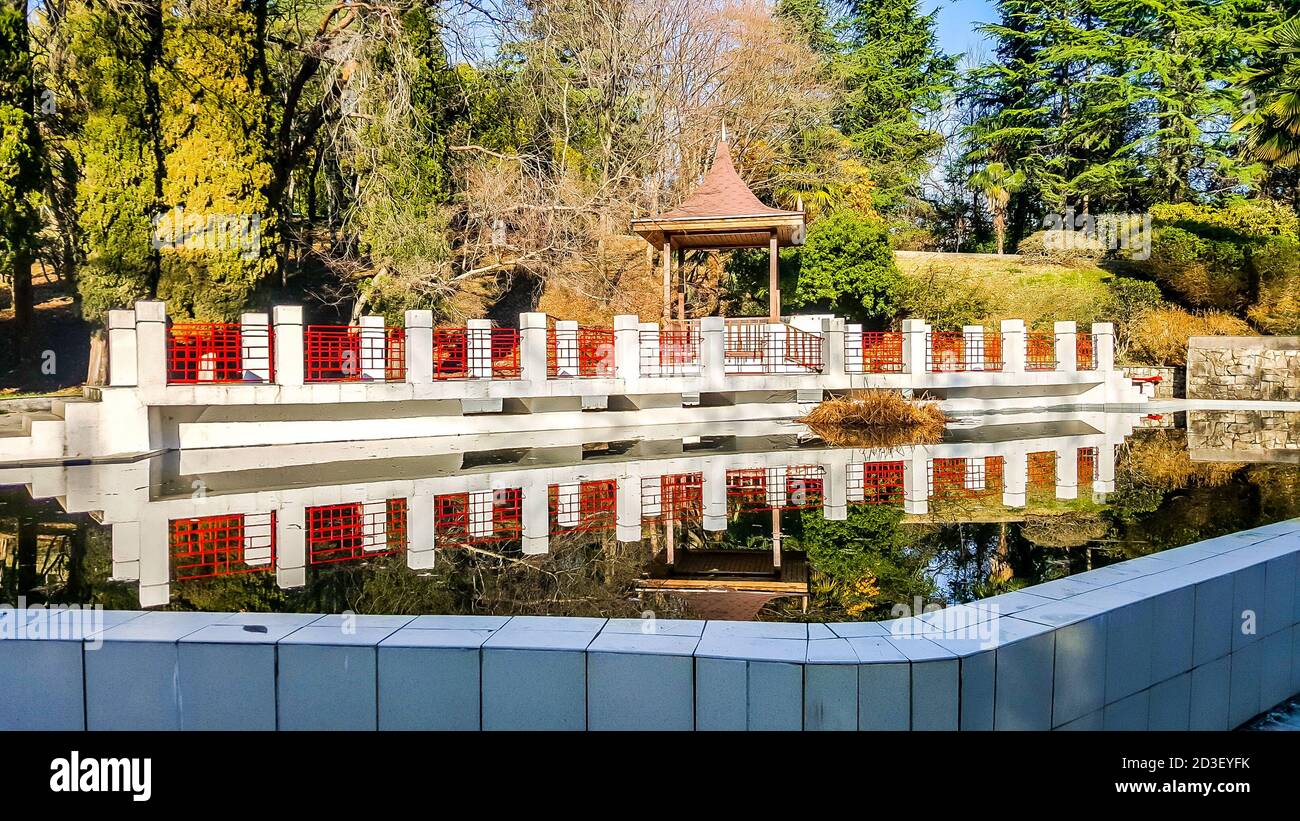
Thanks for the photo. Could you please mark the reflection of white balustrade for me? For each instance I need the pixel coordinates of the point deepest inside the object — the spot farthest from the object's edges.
(627, 507)
(1067, 473)
(419, 532)
(481, 511)
(1015, 478)
(535, 514)
(374, 526)
(568, 505)
(776, 490)
(715, 496)
(916, 484)
(257, 539)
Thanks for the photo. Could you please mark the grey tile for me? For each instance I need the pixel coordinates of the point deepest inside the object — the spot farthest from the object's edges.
(1129, 713)
(1170, 704)
(534, 689)
(457, 622)
(830, 697)
(1215, 620)
(1023, 694)
(721, 694)
(747, 648)
(655, 644)
(1247, 666)
(1079, 684)
(1279, 594)
(536, 639)
(977, 681)
(226, 684)
(553, 623)
(936, 694)
(328, 686)
(630, 691)
(775, 696)
(429, 686)
(858, 629)
(1248, 605)
(756, 629)
(884, 696)
(662, 627)
(1209, 697)
(42, 685)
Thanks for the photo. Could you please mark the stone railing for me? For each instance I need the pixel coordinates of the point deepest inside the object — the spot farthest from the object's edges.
(1159, 642)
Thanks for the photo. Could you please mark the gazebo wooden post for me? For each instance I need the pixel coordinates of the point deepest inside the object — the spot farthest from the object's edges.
(668, 279)
(773, 280)
(681, 284)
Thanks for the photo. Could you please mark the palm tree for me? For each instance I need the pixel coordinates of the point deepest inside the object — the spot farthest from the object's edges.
(998, 183)
(1272, 122)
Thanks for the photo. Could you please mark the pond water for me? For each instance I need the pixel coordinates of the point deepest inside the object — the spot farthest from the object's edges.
(760, 522)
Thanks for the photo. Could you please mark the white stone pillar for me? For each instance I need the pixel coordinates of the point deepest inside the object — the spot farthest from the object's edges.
(833, 362)
(713, 352)
(151, 344)
(1067, 472)
(291, 545)
(566, 348)
(853, 349)
(627, 351)
(627, 504)
(1103, 345)
(715, 496)
(1067, 355)
(856, 477)
(915, 344)
(122, 362)
(419, 348)
(288, 347)
(255, 347)
(535, 512)
(532, 349)
(1013, 346)
(419, 532)
(916, 484)
(973, 344)
(1015, 479)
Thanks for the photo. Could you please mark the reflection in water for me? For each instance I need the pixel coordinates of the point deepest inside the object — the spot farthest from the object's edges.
(771, 525)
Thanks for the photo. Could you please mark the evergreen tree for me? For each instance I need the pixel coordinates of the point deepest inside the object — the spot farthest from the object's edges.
(894, 74)
(214, 116)
(118, 150)
(20, 161)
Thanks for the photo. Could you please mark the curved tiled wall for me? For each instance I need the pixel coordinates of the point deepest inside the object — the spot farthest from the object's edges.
(1200, 637)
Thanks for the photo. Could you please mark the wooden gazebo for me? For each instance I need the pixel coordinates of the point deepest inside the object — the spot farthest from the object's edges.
(720, 214)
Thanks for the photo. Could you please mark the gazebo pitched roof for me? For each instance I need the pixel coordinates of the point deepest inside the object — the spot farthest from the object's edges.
(722, 213)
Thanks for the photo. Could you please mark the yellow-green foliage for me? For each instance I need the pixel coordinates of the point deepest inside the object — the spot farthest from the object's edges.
(217, 163)
(1160, 336)
(115, 150)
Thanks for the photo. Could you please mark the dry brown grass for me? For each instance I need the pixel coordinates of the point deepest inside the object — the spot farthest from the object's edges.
(1160, 336)
(876, 419)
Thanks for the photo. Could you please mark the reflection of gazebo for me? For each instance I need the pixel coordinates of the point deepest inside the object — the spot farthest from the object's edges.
(721, 214)
(717, 582)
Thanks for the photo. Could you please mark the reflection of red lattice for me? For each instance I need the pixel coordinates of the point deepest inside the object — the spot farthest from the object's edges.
(797, 487)
(1042, 470)
(585, 352)
(1087, 466)
(483, 516)
(222, 545)
(965, 478)
(672, 497)
(585, 507)
(670, 351)
(341, 533)
(876, 483)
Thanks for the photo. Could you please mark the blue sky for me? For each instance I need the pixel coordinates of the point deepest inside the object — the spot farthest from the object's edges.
(956, 23)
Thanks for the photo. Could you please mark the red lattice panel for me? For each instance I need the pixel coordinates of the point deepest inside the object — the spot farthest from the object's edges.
(352, 353)
(677, 496)
(1040, 351)
(214, 352)
(882, 352)
(1042, 470)
(480, 517)
(584, 353)
(591, 506)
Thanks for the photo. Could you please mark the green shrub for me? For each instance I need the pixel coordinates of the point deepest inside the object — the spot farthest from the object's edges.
(1276, 266)
(847, 266)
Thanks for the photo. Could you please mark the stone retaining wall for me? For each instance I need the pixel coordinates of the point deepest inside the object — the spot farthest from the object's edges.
(1204, 636)
(1243, 367)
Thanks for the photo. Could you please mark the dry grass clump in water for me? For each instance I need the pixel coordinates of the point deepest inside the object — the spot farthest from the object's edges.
(876, 419)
